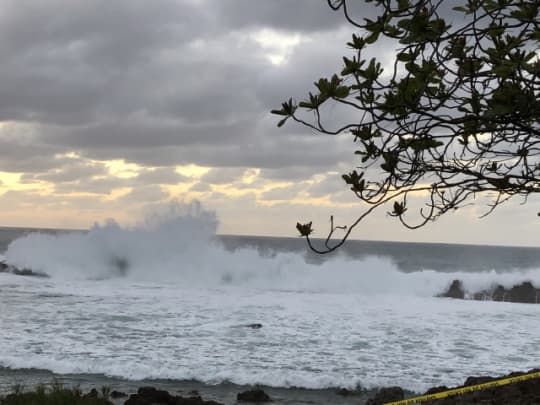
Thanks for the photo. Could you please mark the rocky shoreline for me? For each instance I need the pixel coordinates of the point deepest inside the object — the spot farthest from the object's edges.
(222, 393)
(517, 393)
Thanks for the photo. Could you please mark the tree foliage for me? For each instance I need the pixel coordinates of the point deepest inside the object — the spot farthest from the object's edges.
(454, 115)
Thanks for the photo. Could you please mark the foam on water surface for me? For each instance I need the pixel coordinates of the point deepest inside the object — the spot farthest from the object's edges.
(308, 339)
(165, 300)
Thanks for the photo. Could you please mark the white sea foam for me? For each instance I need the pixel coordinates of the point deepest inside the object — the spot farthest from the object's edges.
(179, 309)
(179, 246)
(312, 340)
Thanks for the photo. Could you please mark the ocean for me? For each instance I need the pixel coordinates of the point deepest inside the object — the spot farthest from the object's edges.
(169, 301)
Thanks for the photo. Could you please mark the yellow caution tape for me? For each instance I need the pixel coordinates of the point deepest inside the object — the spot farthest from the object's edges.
(463, 390)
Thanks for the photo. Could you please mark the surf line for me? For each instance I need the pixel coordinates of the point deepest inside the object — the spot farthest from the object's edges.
(464, 390)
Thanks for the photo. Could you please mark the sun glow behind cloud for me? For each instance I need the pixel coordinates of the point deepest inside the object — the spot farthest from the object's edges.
(192, 170)
(277, 45)
(12, 181)
(120, 168)
(39, 199)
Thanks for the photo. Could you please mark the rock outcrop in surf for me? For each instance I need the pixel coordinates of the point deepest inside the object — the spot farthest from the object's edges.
(7, 268)
(253, 396)
(151, 395)
(455, 290)
(388, 394)
(525, 293)
(119, 267)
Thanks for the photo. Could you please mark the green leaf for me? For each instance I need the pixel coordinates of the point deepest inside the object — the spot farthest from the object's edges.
(404, 23)
(306, 104)
(373, 37)
(282, 122)
(357, 42)
(432, 91)
(503, 70)
(323, 85)
(475, 103)
(351, 66)
(491, 5)
(342, 92)
(373, 70)
(287, 108)
(304, 229)
(535, 35)
(390, 161)
(403, 4)
(404, 57)
(399, 209)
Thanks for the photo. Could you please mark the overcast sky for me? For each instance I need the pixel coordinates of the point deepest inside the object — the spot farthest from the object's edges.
(108, 108)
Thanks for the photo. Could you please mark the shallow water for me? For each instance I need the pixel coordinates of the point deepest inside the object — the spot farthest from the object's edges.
(309, 339)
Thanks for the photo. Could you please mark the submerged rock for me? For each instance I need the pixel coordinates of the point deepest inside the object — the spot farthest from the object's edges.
(253, 396)
(153, 396)
(120, 266)
(92, 394)
(118, 394)
(344, 392)
(385, 395)
(29, 273)
(7, 268)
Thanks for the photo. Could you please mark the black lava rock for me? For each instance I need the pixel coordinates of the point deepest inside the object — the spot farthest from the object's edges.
(478, 380)
(388, 394)
(525, 293)
(253, 396)
(118, 394)
(153, 396)
(455, 290)
(254, 325)
(435, 390)
(522, 293)
(344, 392)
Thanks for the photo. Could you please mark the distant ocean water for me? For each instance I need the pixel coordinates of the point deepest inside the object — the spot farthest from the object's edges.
(171, 300)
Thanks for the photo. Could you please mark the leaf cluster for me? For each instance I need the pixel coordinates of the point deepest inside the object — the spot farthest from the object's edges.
(456, 115)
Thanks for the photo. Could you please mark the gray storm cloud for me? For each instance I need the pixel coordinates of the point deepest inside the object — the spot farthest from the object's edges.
(160, 83)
